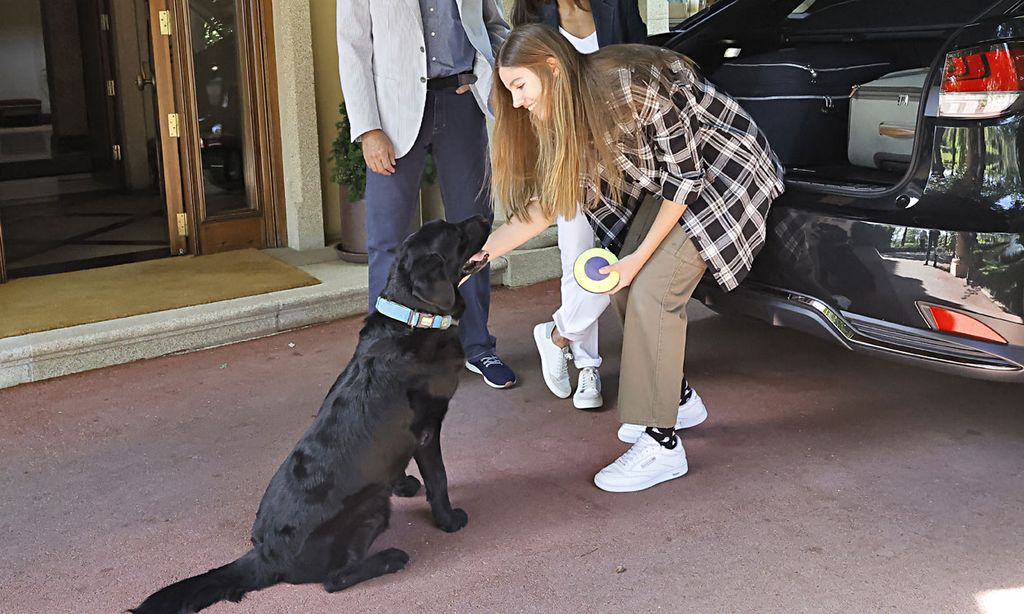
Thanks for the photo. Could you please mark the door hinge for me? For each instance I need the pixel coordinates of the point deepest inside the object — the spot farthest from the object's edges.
(111, 88)
(165, 23)
(116, 150)
(105, 22)
(182, 225)
(173, 129)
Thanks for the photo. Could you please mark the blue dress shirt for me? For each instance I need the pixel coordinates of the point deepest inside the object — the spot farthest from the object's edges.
(449, 51)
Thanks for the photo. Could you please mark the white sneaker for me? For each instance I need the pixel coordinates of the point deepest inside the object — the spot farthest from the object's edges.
(554, 361)
(645, 464)
(690, 414)
(588, 392)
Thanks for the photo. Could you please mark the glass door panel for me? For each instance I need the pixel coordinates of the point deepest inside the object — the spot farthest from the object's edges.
(221, 105)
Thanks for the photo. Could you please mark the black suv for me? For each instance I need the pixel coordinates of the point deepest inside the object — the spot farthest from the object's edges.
(913, 251)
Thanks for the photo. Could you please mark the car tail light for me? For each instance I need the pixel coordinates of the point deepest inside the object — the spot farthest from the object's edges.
(982, 81)
(949, 321)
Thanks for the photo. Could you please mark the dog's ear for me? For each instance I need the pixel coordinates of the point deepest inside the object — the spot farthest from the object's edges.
(430, 284)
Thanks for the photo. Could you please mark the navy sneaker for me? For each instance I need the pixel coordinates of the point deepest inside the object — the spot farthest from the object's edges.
(496, 373)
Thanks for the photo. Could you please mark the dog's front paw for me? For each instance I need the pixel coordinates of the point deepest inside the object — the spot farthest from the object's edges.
(453, 521)
(406, 486)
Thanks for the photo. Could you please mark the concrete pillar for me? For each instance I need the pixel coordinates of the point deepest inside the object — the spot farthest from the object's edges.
(293, 43)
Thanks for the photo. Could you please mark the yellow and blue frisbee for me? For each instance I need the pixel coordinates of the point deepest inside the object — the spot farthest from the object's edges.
(587, 270)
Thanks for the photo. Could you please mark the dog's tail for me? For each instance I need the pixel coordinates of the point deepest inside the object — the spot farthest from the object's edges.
(230, 582)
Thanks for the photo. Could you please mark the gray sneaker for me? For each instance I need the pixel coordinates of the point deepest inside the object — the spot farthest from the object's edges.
(588, 392)
(554, 361)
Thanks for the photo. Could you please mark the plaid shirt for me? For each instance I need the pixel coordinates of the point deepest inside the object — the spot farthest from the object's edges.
(700, 150)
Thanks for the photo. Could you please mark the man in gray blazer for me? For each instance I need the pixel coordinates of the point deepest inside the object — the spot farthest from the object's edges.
(406, 69)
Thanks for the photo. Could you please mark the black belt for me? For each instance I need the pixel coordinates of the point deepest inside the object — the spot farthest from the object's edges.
(454, 81)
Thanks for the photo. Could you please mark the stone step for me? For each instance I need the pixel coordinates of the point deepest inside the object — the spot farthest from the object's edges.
(342, 293)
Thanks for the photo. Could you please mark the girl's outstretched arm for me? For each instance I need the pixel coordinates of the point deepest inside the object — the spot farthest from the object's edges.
(515, 232)
(506, 238)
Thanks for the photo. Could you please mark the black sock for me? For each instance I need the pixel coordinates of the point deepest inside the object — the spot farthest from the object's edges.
(685, 393)
(666, 437)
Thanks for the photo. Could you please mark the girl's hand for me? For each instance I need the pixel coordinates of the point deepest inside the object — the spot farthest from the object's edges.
(480, 255)
(627, 268)
(476, 262)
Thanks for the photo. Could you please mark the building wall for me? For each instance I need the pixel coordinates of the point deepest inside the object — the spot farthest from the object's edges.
(328, 97)
(23, 69)
(66, 71)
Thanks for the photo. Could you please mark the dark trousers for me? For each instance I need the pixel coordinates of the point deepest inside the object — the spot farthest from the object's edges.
(455, 132)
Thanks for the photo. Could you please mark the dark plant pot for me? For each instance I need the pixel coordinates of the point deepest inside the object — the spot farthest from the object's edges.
(352, 247)
(431, 205)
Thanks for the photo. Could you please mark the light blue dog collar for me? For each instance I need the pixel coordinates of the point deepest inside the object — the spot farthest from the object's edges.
(415, 319)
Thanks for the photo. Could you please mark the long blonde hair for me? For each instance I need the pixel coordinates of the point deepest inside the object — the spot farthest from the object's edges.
(547, 159)
(590, 125)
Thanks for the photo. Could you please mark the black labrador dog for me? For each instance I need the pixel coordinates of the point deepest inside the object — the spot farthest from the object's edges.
(330, 499)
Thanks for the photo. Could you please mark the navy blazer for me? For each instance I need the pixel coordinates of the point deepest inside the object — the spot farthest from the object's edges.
(616, 21)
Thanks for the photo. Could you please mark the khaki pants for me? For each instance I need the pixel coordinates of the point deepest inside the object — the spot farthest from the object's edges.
(653, 311)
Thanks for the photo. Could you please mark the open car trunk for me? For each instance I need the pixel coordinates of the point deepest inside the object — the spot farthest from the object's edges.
(839, 87)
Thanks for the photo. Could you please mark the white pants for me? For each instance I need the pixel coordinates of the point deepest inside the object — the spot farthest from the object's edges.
(576, 319)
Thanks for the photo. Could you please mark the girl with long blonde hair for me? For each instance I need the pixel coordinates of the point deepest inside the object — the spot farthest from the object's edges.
(671, 174)
(572, 331)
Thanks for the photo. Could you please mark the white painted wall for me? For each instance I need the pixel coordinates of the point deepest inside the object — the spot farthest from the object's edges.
(22, 55)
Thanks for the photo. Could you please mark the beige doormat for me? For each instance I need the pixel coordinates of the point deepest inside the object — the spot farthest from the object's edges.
(35, 304)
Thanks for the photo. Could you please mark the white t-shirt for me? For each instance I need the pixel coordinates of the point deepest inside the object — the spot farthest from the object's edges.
(583, 45)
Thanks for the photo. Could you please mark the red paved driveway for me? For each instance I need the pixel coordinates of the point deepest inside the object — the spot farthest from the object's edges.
(822, 482)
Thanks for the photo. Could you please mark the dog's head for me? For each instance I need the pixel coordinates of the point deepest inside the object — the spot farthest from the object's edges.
(429, 265)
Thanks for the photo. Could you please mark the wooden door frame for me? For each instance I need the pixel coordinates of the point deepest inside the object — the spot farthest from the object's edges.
(167, 95)
(263, 164)
(276, 213)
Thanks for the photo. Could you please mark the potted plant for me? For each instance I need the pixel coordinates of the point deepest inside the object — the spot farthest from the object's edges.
(349, 171)
(431, 206)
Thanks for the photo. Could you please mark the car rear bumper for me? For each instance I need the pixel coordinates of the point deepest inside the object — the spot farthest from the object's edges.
(921, 347)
